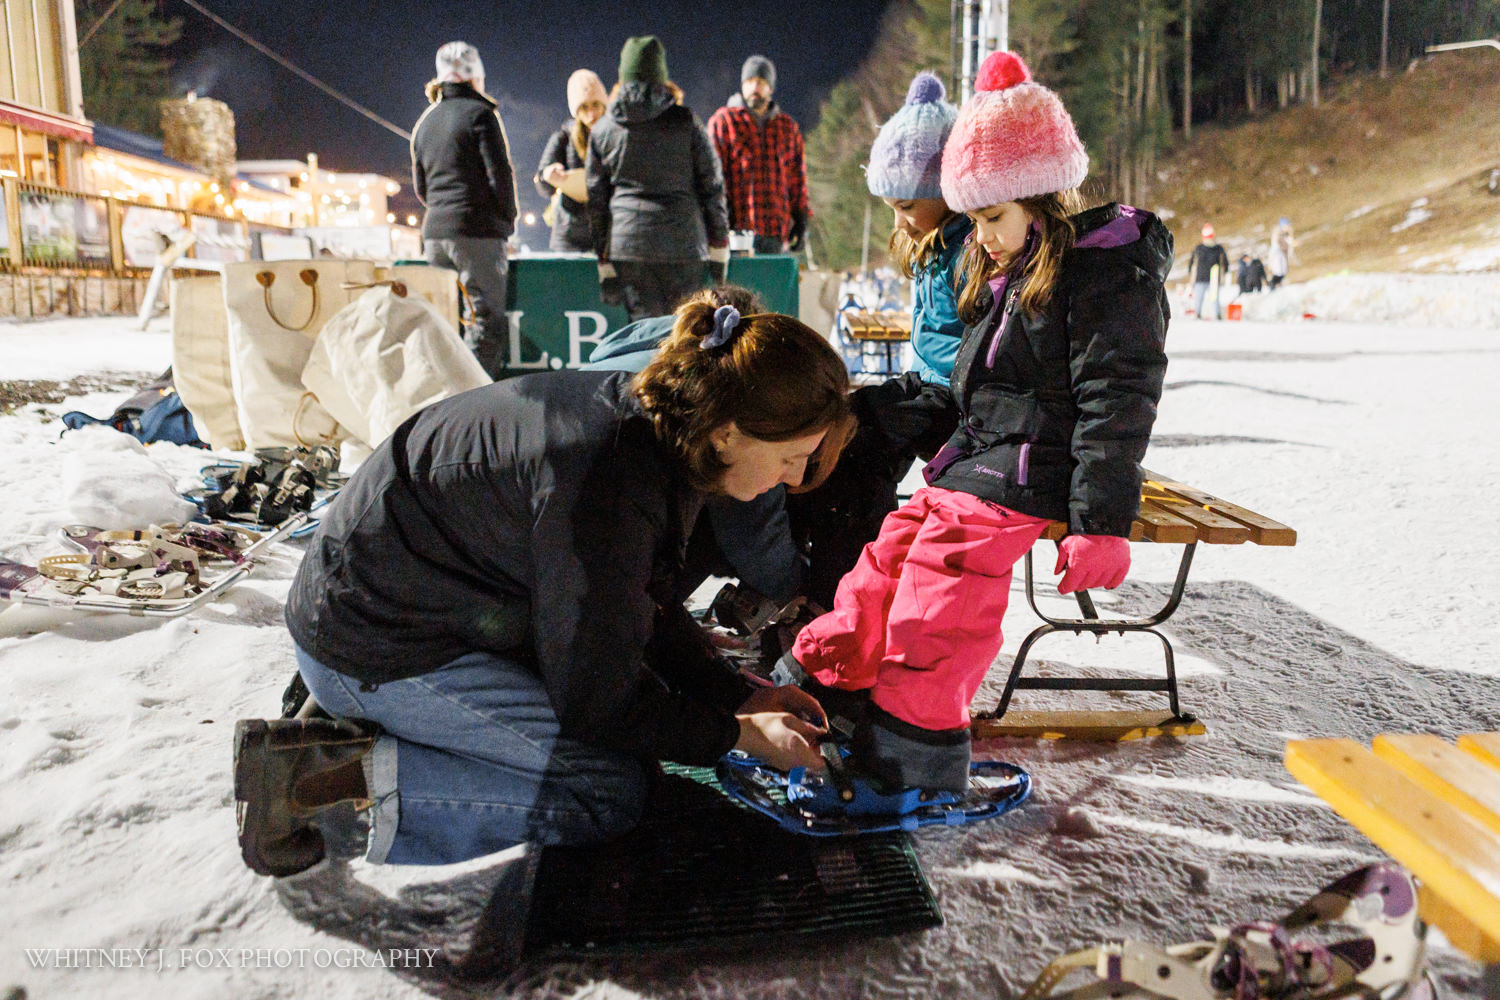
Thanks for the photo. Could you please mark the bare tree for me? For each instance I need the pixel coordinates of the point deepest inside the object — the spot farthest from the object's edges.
(1317, 30)
(1187, 69)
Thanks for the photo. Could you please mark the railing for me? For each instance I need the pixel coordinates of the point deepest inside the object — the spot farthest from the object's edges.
(48, 227)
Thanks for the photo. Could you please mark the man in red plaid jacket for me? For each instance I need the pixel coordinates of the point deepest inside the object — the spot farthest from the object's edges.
(760, 149)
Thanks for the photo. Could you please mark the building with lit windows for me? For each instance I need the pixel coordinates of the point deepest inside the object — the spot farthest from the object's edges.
(42, 127)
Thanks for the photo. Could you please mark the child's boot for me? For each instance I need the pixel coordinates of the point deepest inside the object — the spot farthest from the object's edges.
(899, 755)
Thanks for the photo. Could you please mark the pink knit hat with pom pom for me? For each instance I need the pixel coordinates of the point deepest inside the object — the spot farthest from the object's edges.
(1013, 139)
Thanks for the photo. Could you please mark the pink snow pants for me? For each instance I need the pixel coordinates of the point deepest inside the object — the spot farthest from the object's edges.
(918, 618)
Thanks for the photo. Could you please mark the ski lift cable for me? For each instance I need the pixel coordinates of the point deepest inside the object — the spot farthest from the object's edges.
(288, 64)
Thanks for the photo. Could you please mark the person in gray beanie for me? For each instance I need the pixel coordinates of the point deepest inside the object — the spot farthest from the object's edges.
(765, 176)
(460, 166)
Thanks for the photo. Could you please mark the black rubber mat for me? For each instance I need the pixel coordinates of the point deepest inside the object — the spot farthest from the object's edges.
(701, 871)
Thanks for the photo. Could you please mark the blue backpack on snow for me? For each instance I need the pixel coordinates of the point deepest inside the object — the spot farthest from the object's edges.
(156, 413)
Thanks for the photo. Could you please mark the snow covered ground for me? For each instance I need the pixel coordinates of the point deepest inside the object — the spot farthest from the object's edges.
(1375, 440)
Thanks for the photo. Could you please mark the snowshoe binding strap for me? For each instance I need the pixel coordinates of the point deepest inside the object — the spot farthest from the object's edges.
(820, 805)
(1360, 936)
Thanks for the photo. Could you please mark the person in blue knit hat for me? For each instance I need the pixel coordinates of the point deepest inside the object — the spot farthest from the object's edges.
(841, 517)
(905, 167)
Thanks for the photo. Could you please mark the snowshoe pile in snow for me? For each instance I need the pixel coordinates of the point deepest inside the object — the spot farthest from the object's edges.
(279, 483)
(159, 562)
(157, 572)
(1360, 936)
(841, 802)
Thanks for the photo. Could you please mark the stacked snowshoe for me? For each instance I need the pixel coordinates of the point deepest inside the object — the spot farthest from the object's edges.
(278, 484)
(842, 802)
(160, 563)
(1359, 937)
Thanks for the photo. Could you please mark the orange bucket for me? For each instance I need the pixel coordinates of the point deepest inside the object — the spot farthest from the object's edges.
(1235, 310)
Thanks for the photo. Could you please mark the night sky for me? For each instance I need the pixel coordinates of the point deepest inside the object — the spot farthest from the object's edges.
(381, 55)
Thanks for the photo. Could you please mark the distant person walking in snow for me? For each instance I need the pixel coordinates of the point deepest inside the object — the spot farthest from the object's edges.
(765, 176)
(1251, 274)
(1207, 256)
(461, 171)
(559, 177)
(1282, 251)
(656, 194)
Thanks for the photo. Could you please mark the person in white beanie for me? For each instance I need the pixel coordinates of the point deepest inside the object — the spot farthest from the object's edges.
(1054, 393)
(460, 165)
(559, 176)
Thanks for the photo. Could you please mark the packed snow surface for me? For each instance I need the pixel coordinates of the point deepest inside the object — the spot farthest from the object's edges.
(1374, 438)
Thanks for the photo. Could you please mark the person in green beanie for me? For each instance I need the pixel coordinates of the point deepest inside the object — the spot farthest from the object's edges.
(655, 191)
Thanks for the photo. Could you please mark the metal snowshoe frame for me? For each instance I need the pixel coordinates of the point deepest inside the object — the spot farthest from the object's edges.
(164, 607)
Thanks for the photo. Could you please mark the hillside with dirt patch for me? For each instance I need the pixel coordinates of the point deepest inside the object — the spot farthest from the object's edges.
(1400, 174)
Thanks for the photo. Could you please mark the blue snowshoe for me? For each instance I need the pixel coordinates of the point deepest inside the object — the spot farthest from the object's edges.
(840, 802)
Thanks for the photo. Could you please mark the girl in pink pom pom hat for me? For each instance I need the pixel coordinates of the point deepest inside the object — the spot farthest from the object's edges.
(1053, 394)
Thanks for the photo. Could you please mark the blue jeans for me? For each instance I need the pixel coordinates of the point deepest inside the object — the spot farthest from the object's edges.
(471, 762)
(1200, 291)
(483, 271)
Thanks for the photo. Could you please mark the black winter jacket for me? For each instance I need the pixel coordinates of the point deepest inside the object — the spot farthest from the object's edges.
(1056, 409)
(538, 518)
(570, 225)
(656, 192)
(460, 167)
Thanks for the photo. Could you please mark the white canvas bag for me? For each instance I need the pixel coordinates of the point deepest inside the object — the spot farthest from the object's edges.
(275, 310)
(385, 356)
(201, 370)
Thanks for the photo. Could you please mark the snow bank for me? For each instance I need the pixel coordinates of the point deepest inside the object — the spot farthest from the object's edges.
(1445, 300)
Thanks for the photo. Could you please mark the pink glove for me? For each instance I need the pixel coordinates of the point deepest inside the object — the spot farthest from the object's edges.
(1092, 561)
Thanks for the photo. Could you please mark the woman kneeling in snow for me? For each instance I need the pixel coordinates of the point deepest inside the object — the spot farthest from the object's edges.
(483, 609)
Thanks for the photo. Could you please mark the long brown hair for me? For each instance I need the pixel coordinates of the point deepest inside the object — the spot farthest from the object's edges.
(776, 379)
(1051, 214)
(909, 256)
(580, 133)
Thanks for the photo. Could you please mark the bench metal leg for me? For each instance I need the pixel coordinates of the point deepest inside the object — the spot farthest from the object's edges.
(1091, 622)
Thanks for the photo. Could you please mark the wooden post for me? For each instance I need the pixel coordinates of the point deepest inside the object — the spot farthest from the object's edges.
(13, 220)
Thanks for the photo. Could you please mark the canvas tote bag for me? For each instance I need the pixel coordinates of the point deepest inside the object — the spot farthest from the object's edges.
(275, 310)
(201, 361)
(438, 285)
(385, 356)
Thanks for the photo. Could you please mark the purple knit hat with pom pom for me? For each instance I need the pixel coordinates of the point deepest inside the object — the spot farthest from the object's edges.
(907, 156)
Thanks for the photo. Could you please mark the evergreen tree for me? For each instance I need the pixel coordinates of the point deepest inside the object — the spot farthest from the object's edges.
(914, 35)
(124, 69)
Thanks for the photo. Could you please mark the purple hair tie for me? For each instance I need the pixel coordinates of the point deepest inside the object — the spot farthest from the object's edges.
(726, 323)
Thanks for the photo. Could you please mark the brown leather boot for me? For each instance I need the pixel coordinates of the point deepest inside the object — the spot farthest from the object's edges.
(287, 770)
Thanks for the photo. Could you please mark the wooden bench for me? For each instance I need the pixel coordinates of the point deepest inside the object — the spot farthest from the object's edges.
(889, 328)
(1172, 513)
(1434, 807)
